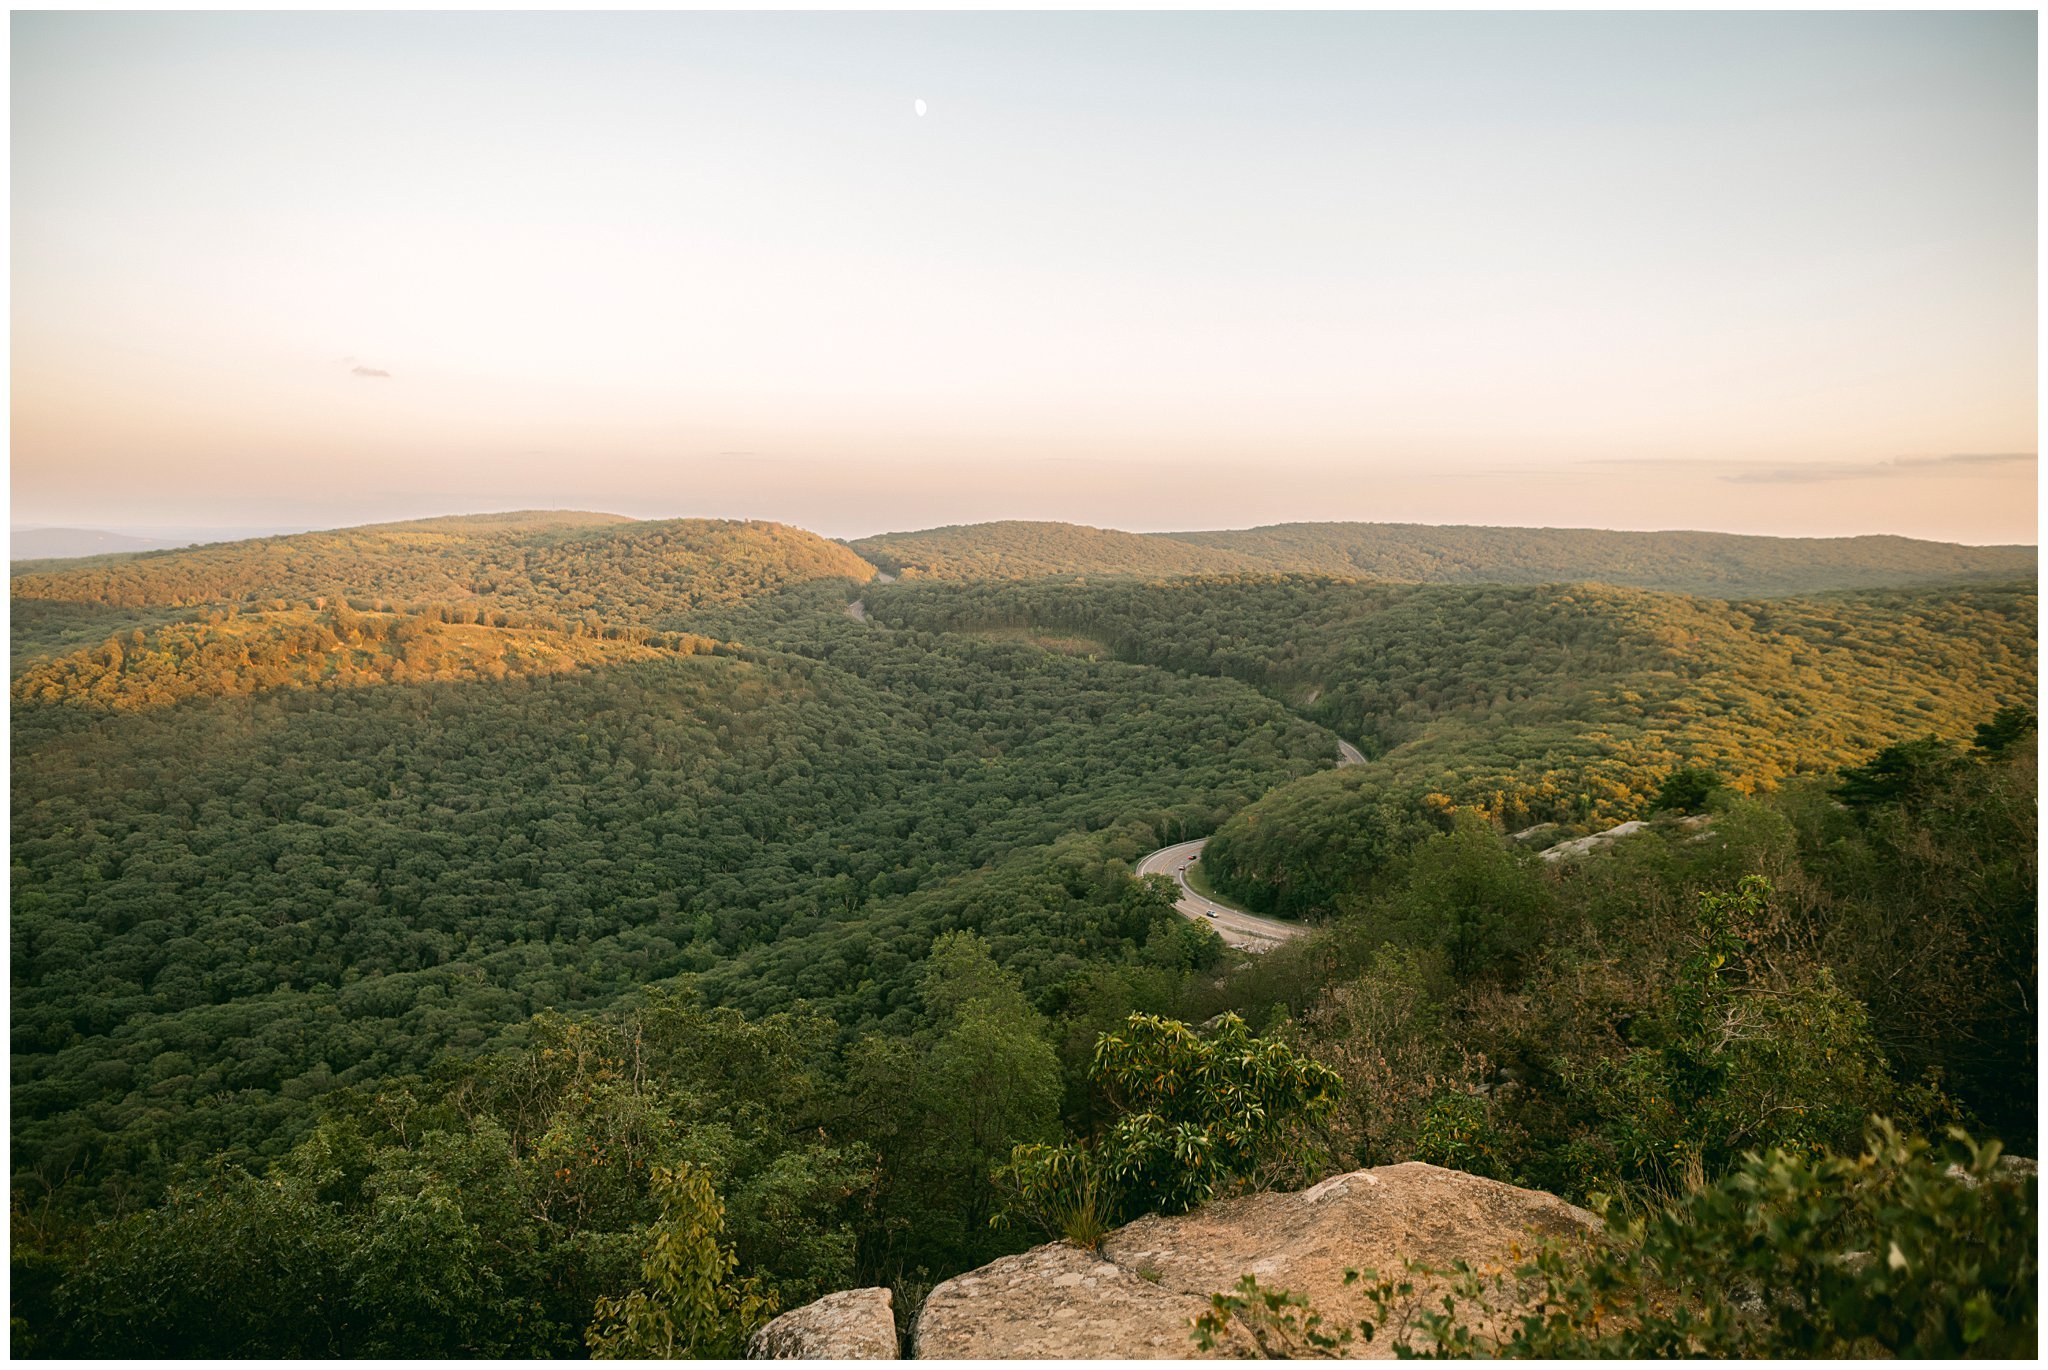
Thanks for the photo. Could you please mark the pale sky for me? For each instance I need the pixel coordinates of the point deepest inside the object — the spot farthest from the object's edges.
(1757, 272)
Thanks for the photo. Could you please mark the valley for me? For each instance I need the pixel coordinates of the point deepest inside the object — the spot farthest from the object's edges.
(592, 774)
(478, 867)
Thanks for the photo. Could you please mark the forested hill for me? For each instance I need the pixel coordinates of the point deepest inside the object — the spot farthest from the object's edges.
(264, 854)
(1018, 549)
(232, 654)
(408, 921)
(1531, 704)
(1720, 564)
(648, 573)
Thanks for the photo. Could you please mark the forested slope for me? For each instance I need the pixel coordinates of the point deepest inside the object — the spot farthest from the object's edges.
(224, 906)
(415, 926)
(648, 573)
(1020, 548)
(1721, 564)
(1530, 705)
(1725, 564)
(231, 653)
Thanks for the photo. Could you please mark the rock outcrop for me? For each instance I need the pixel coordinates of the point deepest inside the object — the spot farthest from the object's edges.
(2011, 1170)
(1579, 846)
(1137, 1297)
(854, 1324)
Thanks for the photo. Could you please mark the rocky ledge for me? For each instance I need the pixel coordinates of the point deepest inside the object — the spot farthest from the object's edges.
(1139, 1295)
(854, 1324)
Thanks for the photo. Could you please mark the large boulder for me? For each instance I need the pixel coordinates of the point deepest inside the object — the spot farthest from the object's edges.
(1055, 1302)
(1137, 1297)
(854, 1324)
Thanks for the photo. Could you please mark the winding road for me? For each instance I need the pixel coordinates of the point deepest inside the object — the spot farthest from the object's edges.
(1235, 926)
(1238, 928)
(858, 610)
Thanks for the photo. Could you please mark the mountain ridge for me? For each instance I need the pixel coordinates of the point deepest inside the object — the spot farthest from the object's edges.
(1724, 565)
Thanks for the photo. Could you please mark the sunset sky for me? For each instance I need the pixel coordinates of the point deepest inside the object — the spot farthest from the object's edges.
(1756, 272)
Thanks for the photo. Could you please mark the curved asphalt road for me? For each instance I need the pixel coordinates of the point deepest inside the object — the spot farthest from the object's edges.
(1234, 926)
(1238, 928)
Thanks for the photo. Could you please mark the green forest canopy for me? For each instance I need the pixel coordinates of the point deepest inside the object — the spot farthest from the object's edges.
(1723, 564)
(1562, 705)
(643, 572)
(308, 830)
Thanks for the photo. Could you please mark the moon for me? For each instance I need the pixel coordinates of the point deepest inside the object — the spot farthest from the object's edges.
(919, 106)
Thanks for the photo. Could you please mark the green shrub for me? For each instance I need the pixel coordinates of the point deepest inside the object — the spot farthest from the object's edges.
(1192, 1113)
(1457, 1133)
(1280, 1323)
(690, 1303)
(1735, 1057)
(1906, 1250)
(1685, 790)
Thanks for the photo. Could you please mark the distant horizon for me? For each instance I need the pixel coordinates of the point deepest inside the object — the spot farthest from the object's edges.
(194, 533)
(1767, 273)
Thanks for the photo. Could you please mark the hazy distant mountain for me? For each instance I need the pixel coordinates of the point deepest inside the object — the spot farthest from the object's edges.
(33, 544)
(1726, 565)
(1018, 548)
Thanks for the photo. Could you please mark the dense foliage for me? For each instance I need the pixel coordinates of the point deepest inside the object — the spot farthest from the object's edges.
(1191, 1114)
(233, 654)
(648, 573)
(548, 935)
(1698, 563)
(1568, 705)
(226, 908)
(692, 1304)
(557, 1190)
(1631, 1021)
(1901, 1251)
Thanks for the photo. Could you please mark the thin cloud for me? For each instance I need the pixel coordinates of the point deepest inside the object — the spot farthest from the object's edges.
(1816, 472)
(1968, 459)
(1809, 472)
(370, 373)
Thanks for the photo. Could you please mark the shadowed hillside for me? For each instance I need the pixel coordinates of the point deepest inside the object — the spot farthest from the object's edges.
(1529, 704)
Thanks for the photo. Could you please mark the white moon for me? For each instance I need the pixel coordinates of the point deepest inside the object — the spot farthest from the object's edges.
(920, 108)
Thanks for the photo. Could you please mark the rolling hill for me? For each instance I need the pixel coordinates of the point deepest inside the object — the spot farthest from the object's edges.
(1014, 550)
(566, 565)
(1721, 564)
(230, 655)
(1531, 704)
(401, 903)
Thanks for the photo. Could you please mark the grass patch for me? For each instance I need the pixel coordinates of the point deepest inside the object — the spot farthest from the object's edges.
(1198, 881)
(1051, 642)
